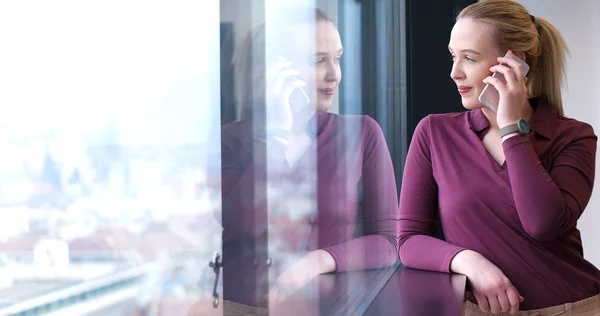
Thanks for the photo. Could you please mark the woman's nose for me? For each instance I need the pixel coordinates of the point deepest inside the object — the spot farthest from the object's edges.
(456, 73)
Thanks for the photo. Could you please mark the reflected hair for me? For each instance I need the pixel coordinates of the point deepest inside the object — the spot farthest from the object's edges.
(250, 56)
(544, 47)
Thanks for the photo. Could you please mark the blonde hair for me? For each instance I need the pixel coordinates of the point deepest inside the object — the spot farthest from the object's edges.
(249, 59)
(544, 47)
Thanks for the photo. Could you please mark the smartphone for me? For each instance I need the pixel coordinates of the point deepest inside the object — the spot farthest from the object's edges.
(298, 99)
(490, 97)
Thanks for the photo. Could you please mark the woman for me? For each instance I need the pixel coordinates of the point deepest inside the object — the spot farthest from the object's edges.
(508, 200)
(336, 168)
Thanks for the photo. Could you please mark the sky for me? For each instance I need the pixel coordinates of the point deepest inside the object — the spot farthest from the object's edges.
(76, 65)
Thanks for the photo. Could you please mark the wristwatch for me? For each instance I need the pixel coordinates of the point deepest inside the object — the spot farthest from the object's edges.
(520, 126)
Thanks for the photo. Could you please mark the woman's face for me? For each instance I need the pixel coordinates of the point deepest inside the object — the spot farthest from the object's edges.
(321, 71)
(473, 53)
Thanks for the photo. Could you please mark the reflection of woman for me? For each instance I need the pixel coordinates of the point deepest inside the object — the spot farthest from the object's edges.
(508, 200)
(343, 158)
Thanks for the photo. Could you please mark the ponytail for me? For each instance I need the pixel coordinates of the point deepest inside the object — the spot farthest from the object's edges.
(549, 71)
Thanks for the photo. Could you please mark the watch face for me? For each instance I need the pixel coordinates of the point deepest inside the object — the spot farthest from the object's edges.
(523, 126)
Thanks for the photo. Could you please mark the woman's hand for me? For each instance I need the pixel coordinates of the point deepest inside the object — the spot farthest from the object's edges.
(299, 274)
(492, 289)
(281, 80)
(513, 93)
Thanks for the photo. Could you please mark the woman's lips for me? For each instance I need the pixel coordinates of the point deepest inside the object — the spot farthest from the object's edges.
(328, 91)
(463, 89)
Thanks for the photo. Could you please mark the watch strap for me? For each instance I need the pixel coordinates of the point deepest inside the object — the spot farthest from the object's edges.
(508, 129)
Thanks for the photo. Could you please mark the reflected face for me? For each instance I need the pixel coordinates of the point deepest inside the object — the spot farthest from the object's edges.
(322, 71)
(473, 53)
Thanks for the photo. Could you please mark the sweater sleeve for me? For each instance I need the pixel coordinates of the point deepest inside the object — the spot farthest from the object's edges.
(549, 202)
(378, 246)
(419, 209)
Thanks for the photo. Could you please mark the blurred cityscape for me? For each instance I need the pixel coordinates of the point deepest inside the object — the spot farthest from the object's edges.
(91, 227)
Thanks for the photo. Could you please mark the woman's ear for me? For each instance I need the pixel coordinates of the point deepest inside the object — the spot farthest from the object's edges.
(521, 55)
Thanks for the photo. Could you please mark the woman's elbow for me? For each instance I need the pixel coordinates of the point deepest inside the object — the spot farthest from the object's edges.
(540, 234)
(549, 230)
(403, 255)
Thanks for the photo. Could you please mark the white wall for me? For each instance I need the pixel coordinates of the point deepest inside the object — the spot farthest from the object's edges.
(579, 23)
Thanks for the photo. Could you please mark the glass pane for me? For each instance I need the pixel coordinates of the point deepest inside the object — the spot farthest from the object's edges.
(299, 181)
(106, 196)
(142, 141)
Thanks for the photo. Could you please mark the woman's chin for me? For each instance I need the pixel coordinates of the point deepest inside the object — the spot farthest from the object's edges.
(471, 104)
(324, 106)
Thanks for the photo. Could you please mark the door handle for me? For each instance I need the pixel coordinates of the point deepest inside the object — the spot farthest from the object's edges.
(216, 265)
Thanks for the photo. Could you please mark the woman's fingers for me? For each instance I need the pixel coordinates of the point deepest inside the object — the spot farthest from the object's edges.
(512, 62)
(494, 304)
(497, 83)
(504, 302)
(514, 299)
(282, 79)
(509, 75)
(275, 68)
(483, 303)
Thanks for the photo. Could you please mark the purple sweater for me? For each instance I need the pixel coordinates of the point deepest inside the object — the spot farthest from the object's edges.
(521, 215)
(353, 181)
